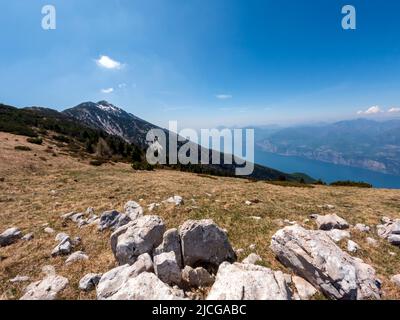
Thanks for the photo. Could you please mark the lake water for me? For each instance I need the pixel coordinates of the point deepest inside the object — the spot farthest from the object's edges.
(326, 171)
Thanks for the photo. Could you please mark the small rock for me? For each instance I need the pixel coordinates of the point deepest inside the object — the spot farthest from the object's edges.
(239, 251)
(252, 247)
(248, 203)
(197, 278)
(331, 221)
(67, 216)
(396, 280)
(61, 236)
(304, 289)
(89, 281)
(252, 259)
(46, 289)
(352, 246)
(255, 218)
(167, 269)
(20, 279)
(49, 230)
(362, 227)
(28, 237)
(77, 217)
(338, 235)
(372, 242)
(394, 239)
(53, 192)
(76, 256)
(176, 200)
(63, 248)
(10, 236)
(152, 206)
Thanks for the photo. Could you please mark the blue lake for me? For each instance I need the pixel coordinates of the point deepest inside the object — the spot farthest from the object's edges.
(326, 171)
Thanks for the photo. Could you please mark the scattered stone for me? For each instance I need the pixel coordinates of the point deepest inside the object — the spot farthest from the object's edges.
(10, 236)
(396, 280)
(49, 230)
(63, 248)
(252, 247)
(331, 221)
(394, 239)
(171, 242)
(386, 220)
(316, 258)
(67, 216)
(239, 251)
(140, 236)
(362, 228)
(197, 278)
(53, 192)
(20, 279)
(89, 281)
(133, 210)
(390, 231)
(167, 268)
(176, 200)
(112, 220)
(203, 242)
(392, 253)
(152, 206)
(46, 289)
(252, 259)
(249, 282)
(61, 236)
(76, 256)
(248, 203)
(77, 217)
(28, 237)
(327, 207)
(372, 242)
(338, 235)
(352, 246)
(304, 289)
(255, 218)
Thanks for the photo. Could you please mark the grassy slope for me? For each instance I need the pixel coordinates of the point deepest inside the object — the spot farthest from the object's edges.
(26, 202)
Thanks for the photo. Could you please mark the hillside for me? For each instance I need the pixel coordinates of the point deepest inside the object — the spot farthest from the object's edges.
(37, 188)
(103, 141)
(359, 143)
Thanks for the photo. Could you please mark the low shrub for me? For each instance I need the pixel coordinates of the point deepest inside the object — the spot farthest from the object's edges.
(349, 183)
(37, 140)
(22, 148)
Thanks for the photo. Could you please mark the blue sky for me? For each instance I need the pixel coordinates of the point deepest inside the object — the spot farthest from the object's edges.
(205, 63)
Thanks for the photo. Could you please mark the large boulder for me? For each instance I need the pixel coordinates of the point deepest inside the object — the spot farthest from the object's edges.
(167, 268)
(133, 210)
(140, 236)
(10, 236)
(46, 289)
(171, 242)
(249, 282)
(331, 221)
(147, 286)
(112, 281)
(205, 244)
(315, 257)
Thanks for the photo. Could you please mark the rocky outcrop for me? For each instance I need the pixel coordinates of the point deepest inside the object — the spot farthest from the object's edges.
(315, 257)
(10, 236)
(171, 242)
(138, 237)
(167, 268)
(204, 243)
(249, 282)
(112, 281)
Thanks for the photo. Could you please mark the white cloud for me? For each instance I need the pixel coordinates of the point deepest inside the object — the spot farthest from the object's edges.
(108, 90)
(394, 110)
(372, 110)
(108, 63)
(223, 96)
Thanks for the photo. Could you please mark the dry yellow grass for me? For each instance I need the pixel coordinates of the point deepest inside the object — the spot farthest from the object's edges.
(26, 202)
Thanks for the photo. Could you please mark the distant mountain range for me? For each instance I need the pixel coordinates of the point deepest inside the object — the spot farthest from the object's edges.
(368, 144)
(90, 127)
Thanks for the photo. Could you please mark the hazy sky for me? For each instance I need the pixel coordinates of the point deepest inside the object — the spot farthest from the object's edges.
(205, 63)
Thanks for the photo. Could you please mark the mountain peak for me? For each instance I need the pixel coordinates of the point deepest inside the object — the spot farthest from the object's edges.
(106, 106)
